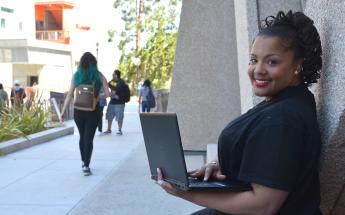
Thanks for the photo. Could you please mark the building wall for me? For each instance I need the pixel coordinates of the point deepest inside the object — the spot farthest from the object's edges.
(58, 81)
(53, 70)
(205, 88)
(22, 13)
(329, 17)
(6, 80)
(246, 28)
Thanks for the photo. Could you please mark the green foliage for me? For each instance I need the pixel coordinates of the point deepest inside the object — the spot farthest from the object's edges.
(22, 120)
(157, 54)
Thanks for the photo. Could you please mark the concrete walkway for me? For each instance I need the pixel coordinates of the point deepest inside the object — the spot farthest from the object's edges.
(47, 178)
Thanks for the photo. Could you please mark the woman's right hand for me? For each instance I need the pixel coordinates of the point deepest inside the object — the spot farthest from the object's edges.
(208, 171)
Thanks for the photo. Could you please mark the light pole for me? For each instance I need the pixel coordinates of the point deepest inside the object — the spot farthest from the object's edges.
(97, 44)
(136, 62)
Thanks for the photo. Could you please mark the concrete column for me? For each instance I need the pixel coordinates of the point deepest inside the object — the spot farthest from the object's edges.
(329, 18)
(246, 28)
(205, 88)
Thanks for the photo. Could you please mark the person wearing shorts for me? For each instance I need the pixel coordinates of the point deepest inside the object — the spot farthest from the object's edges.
(116, 106)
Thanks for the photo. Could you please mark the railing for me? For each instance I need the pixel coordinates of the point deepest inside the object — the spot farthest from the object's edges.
(53, 35)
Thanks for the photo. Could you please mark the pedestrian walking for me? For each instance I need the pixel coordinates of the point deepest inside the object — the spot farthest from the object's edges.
(116, 106)
(102, 103)
(17, 94)
(146, 97)
(86, 120)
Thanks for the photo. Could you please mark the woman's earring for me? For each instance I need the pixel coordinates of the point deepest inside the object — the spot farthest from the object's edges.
(296, 72)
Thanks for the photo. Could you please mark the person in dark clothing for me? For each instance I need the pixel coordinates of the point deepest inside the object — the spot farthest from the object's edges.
(116, 106)
(276, 145)
(102, 103)
(3, 98)
(86, 121)
(17, 94)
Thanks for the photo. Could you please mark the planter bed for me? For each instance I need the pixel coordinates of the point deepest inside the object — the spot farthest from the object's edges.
(14, 145)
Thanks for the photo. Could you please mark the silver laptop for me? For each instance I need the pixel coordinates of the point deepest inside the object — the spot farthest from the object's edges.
(164, 150)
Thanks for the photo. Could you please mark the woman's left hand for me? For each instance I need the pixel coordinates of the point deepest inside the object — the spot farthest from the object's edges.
(168, 187)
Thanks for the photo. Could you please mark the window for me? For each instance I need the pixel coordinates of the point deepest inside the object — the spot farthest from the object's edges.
(5, 9)
(3, 23)
(20, 26)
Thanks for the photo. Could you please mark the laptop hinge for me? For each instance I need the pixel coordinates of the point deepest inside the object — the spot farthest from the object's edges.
(177, 184)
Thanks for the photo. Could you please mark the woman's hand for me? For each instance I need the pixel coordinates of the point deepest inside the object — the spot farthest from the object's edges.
(168, 187)
(62, 117)
(208, 171)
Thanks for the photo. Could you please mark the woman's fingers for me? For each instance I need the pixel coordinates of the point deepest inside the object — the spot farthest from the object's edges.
(165, 185)
(160, 179)
(208, 173)
(159, 174)
(193, 173)
(198, 173)
(220, 177)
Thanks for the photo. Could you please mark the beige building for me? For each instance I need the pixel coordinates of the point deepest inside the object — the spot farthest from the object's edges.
(34, 45)
(41, 42)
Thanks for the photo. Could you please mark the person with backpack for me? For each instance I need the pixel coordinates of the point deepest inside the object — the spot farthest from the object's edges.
(116, 107)
(146, 97)
(17, 94)
(86, 118)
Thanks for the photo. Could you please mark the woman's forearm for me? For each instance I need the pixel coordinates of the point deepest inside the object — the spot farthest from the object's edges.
(68, 97)
(66, 103)
(257, 201)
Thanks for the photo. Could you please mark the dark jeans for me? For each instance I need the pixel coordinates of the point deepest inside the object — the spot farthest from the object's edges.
(145, 106)
(86, 122)
(100, 123)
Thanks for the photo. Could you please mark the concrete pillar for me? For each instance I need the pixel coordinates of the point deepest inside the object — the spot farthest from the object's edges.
(329, 18)
(246, 28)
(205, 88)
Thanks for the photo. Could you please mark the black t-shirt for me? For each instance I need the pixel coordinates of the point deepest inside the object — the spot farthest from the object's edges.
(277, 144)
(116, 88)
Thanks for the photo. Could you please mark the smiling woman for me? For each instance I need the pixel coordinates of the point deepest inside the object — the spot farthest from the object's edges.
(275, 146)
(272, 68)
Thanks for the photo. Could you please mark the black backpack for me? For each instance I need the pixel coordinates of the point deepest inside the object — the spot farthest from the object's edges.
(151, 99)
(85, 97)
(126, 93)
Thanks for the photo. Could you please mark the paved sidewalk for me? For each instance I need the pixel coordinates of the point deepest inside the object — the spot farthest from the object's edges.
(46, 179)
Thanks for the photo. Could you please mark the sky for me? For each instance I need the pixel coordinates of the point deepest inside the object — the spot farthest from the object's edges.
(100, 16)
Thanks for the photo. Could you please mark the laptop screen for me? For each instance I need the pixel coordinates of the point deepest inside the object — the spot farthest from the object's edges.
(163, 145)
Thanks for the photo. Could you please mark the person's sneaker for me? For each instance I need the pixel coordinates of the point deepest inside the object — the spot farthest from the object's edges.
(84, 168)
(119, 132)
(107, 132)
(87, 171)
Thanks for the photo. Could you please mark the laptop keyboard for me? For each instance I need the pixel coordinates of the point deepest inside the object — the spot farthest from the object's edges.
(199, 183)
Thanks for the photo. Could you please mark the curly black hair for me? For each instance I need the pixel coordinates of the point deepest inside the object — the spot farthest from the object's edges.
(297, 33)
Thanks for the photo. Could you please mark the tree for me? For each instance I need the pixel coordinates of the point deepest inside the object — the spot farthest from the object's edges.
(151, 24)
